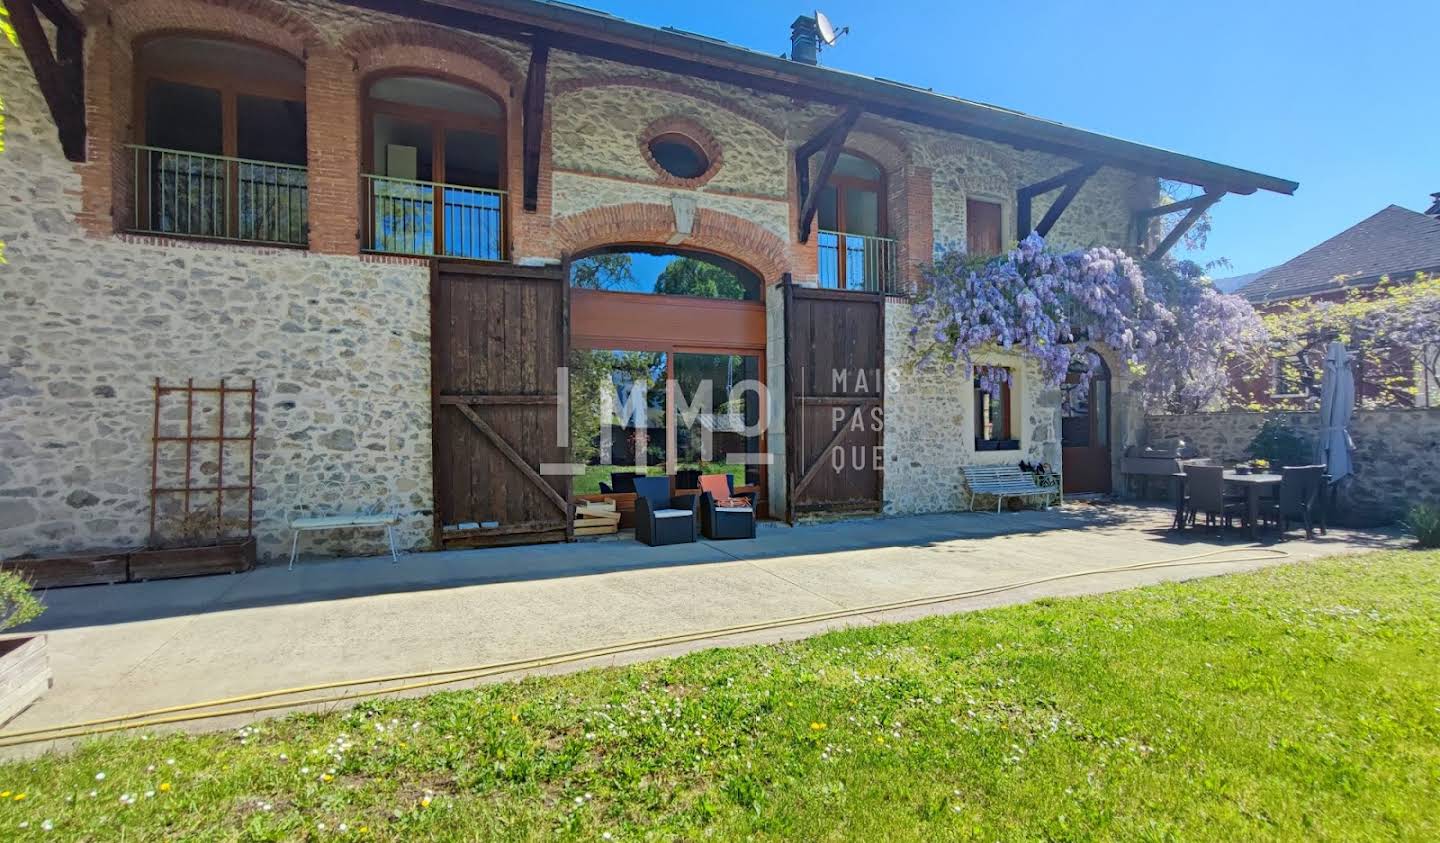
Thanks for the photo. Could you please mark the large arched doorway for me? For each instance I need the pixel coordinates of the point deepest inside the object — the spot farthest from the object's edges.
(1085, 425)
(667, 366)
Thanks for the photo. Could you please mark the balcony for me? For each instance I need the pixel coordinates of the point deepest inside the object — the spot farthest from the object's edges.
(431, 219)
(858, 262)
(215, 197)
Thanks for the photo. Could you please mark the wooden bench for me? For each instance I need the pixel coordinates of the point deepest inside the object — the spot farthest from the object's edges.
(1008, 481)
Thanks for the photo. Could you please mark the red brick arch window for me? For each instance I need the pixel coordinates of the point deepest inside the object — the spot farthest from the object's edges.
(680, 151)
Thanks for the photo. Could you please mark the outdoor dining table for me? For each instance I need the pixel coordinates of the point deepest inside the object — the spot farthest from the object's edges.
(1252, 483)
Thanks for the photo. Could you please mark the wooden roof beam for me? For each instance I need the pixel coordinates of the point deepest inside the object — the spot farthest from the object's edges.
(1070, 180)
(59, 72)
(832, 138)
(1195, 208)
(534, 119)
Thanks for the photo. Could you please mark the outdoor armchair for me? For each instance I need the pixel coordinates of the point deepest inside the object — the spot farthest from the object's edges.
(661, 519)
(723, 514)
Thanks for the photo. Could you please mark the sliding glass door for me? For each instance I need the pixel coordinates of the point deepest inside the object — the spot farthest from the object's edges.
(665, 411)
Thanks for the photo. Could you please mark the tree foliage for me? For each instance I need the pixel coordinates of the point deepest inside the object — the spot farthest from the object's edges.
(604, 271)
(1393, 330)
(695, 277)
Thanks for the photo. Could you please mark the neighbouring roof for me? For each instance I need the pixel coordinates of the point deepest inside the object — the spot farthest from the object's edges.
(603, 35)
(1393, 242)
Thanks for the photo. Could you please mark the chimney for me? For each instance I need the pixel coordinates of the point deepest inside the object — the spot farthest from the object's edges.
(1434, 206)
(805, 41)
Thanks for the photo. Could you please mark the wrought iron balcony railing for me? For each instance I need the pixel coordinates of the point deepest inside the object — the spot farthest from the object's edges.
(858, 262)
(431, 219)
(191, 194)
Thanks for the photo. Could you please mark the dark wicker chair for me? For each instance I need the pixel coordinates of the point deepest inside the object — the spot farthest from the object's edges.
(1205, 492)
(725, 522)
(1298, 498)
(661, 519)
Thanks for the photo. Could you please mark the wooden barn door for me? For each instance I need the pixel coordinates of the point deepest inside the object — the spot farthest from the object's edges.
(835, 361)
(499, 336)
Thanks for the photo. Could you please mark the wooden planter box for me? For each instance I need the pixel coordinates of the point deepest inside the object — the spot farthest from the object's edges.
(99, 567)
(24, 674)
(226, 558)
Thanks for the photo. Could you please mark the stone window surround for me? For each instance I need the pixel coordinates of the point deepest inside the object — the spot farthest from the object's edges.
(691, 130)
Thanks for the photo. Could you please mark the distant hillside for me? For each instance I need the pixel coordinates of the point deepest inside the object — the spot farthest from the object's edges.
(1235, 282)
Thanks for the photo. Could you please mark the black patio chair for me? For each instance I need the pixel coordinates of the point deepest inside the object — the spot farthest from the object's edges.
(1298, 498)
(661, 519)
(1205, 492)
(728, 521)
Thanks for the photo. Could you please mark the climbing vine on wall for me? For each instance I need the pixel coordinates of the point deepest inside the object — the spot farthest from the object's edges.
(1175, 332)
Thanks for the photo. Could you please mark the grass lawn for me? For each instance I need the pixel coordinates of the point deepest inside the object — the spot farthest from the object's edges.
(1299, 702)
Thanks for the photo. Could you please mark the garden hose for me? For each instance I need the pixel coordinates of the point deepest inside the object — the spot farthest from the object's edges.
(433, 678)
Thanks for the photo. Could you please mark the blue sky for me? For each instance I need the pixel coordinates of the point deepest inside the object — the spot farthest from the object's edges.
(1329, 93)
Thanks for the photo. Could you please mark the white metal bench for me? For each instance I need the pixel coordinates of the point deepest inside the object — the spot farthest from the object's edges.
(1008, 481)
(343, 522)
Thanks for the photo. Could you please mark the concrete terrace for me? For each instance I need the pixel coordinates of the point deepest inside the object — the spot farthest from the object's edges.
(122, 648)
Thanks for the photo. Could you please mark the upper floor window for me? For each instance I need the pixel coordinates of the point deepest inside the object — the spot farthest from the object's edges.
(221, 148)
(855, 253)
(983, 235)
(435, 176)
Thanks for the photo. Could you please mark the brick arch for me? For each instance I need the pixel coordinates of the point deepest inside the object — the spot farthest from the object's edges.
(260, 21)
(567, 86)
(419, 46)
(888, 150)
(650, 224)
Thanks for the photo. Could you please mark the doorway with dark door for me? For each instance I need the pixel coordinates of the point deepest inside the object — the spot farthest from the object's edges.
(1085, 425)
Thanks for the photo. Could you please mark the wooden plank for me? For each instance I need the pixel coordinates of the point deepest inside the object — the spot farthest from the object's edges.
(534, 120)
(820, 460)
(515, 459)
(499, 400)
(96, 568)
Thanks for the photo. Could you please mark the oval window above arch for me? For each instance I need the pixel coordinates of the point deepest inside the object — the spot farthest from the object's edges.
(680, 151)
(679, 156)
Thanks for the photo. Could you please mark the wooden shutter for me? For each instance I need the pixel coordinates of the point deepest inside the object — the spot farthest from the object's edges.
(982, 227)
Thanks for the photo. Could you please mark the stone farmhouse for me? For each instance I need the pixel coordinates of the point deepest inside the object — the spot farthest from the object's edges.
(370, 237)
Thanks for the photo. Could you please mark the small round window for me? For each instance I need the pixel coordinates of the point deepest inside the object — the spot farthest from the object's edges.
(679, 156)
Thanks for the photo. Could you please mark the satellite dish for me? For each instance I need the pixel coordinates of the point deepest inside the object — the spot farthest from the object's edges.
(828, 34)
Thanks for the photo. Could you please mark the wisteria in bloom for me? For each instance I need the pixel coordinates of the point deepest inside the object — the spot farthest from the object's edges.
(1215, 337)
(1039, 302)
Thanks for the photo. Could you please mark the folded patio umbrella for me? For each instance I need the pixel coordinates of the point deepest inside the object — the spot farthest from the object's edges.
(1337, 403)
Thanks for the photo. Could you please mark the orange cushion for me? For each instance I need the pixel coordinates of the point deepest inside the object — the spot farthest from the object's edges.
(718, 485)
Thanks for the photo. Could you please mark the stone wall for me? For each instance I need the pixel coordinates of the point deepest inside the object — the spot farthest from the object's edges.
(339, 343)
(1397, 452)
(339, 347)
(930, 423)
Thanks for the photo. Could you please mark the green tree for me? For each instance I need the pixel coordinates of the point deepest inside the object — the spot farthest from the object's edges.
(695, 277)
(602, 272)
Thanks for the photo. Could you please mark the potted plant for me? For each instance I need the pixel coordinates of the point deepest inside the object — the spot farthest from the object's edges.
(24, 660)
(192, 544)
